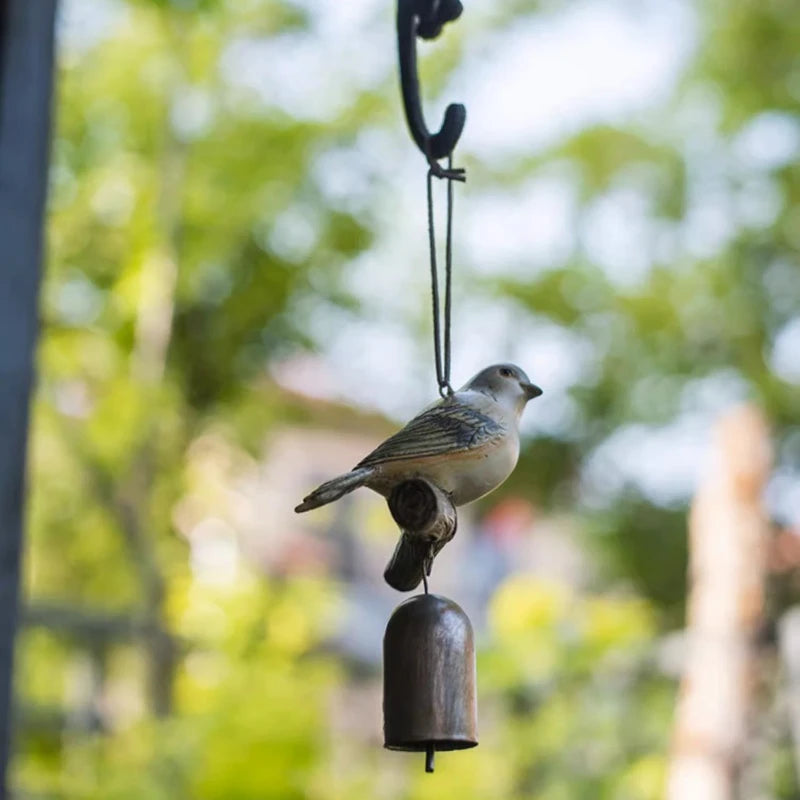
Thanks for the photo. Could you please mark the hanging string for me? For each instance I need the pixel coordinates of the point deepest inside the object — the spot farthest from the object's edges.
(441, 340)
(427, 566)
(448, 256)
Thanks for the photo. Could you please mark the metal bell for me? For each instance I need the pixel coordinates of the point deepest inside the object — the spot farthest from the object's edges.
(429, 700)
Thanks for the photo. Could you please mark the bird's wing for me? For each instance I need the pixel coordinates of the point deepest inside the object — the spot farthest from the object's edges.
(450, 426)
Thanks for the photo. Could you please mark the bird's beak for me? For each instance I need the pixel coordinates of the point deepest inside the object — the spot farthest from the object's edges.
(531, 390)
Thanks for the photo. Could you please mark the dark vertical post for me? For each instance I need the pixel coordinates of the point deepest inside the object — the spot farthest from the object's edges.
(26, 77)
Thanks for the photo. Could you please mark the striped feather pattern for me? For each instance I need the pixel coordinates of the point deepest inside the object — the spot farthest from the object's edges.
(450, 426)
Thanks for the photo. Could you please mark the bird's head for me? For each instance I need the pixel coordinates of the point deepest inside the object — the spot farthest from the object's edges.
(507, 384)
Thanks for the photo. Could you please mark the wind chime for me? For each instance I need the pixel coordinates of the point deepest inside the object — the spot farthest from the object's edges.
(429, 699)
(450, 454)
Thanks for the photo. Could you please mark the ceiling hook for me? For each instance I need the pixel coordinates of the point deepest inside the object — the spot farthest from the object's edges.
(426, 18)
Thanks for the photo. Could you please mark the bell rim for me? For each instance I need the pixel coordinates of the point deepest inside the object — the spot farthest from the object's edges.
(421, 745)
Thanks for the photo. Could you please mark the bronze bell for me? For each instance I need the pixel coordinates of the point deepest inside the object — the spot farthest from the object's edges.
(429, 700)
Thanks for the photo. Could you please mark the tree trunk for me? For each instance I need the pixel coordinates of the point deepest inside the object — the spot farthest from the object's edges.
(728, 534)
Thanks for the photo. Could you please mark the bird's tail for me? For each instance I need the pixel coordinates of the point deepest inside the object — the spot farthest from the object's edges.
(335, 488)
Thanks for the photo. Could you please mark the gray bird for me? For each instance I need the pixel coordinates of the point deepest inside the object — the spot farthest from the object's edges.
(467, 444)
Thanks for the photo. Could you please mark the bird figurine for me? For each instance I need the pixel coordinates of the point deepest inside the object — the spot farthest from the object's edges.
(465, 444)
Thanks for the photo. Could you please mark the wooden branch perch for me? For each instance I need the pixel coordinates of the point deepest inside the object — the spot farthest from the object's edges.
(428, 521)
(728, 533)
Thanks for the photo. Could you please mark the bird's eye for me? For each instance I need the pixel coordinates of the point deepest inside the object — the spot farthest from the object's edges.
(506, 372)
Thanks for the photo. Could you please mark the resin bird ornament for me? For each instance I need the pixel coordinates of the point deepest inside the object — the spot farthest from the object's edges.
(466, 444)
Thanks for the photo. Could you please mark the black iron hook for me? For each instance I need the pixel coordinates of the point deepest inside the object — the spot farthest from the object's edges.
(426, 18)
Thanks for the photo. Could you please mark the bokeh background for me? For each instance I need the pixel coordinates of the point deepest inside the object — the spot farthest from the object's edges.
(236, 306)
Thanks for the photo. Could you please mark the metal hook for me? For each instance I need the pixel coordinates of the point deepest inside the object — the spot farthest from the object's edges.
(425, 18)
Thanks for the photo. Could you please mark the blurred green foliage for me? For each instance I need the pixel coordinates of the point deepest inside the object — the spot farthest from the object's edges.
(168, 289)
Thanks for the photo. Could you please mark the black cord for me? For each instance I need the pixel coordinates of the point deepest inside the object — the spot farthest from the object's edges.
(448, 261)
(441, 343)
